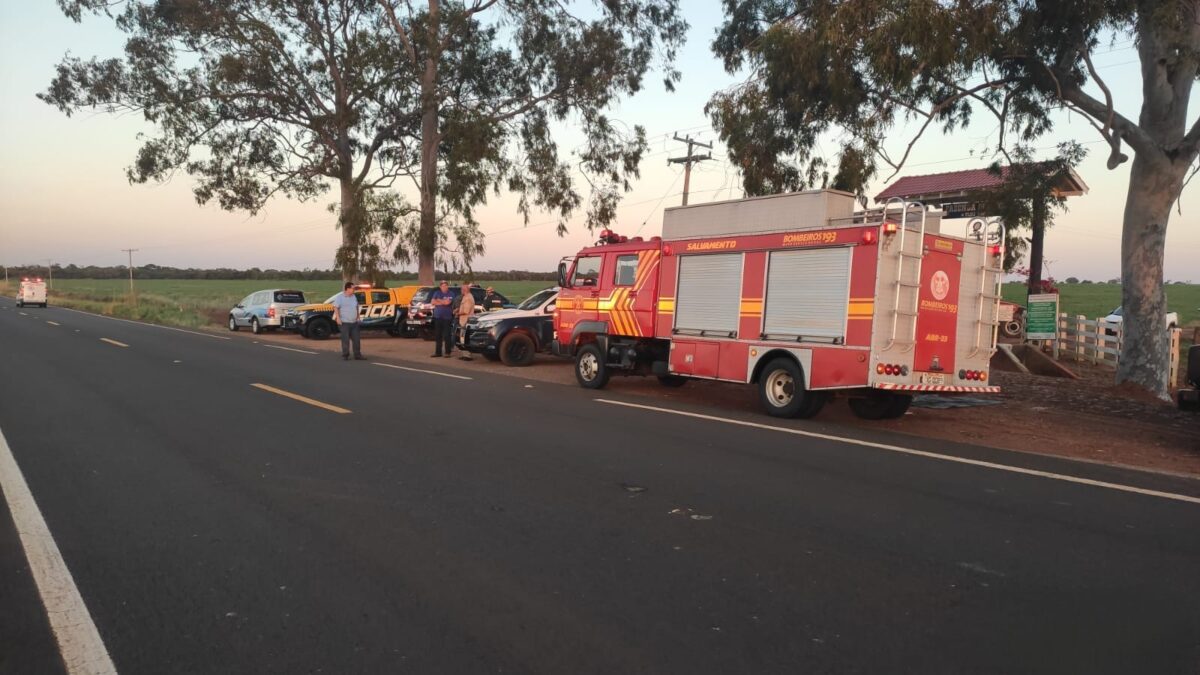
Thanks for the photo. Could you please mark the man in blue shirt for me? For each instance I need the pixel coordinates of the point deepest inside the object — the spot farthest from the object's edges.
(443, 319)
(345, 315)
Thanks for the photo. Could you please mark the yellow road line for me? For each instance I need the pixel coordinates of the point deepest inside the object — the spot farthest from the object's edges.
(302, 399)
(114, 342)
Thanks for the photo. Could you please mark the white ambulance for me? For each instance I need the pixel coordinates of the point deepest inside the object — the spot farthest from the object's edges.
(31, 292)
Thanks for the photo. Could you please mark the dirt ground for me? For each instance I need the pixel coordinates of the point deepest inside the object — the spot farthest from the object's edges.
(1086, 419)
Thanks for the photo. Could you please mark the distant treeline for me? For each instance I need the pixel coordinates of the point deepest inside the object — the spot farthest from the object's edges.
(159, 272)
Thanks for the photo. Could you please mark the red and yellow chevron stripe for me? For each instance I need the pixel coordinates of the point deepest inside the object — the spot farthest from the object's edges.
(619, 305)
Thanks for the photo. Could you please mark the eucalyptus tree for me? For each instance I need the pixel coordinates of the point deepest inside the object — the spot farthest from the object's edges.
(496, 80)
(254, 99)
(865, 67)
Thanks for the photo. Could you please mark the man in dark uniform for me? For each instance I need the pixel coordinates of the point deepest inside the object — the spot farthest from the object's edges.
(491, 300)
(443, 319)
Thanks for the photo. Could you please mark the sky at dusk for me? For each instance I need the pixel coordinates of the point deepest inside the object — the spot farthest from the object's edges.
(64, 196)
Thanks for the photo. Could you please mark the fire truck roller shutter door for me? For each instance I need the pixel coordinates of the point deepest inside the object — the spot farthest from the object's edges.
(807, 294)
(709, 294)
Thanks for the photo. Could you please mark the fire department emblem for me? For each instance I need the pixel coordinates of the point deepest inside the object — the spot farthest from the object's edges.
(939, 285)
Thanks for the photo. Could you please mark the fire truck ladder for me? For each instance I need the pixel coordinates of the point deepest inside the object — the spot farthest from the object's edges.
(991, 231)
(917, 257)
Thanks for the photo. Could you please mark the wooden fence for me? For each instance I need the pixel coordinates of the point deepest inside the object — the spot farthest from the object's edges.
(1098, 342)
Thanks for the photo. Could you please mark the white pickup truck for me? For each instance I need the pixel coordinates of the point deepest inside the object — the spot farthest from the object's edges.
(1116, 316)
(31, 292)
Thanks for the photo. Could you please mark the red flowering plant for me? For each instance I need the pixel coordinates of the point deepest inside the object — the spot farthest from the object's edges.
(1046, 285)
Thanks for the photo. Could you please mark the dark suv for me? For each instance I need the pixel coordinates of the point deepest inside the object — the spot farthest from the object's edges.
(420, 312)
(514, 336)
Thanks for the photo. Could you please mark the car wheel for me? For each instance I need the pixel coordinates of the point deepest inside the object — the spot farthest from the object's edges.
(672, 381)
(394, 332)
(782, 392)
(320, 329)
(879, 405)
(232, 323)
(1014, 328)
(254, 327)
(517, 350)
(426, 333)
(590, 369)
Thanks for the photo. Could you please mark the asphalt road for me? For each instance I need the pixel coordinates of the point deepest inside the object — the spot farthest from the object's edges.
(493, 525)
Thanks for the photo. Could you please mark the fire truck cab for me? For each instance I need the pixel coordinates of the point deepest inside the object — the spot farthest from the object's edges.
(796, 293)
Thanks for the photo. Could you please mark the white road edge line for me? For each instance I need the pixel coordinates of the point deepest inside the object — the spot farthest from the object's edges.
(54, 323)
(113, 342)
(918, 453)
(291, 349)
(428, 372)
(151, 325)
(78, 640)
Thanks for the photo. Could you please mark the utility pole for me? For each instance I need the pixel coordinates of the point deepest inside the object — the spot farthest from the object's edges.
(688, 161)
(50, 272)
(131, 251)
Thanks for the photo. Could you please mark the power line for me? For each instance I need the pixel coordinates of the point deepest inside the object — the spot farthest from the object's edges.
(660, 201)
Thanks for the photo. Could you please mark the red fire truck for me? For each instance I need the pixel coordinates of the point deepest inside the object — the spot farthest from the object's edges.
(796, 293)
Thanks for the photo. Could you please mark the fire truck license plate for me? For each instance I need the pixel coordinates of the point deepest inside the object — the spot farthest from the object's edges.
(933, 378)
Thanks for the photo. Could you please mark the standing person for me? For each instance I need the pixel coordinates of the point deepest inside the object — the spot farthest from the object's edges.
(345, 315)
(443, 319)
(466, 307)
(491, 300)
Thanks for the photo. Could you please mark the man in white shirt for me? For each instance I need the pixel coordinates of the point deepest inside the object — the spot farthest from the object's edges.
(345, 315)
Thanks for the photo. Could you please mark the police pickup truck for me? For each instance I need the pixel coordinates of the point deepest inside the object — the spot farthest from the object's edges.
(378, 309)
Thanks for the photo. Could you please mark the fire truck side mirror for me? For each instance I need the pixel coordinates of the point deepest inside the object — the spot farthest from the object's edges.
(562, 273)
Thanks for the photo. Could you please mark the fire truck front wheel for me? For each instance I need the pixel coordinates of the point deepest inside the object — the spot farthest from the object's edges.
(590, 369)
(781, 389)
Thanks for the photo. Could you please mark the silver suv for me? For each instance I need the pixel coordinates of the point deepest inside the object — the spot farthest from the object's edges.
(264, 310)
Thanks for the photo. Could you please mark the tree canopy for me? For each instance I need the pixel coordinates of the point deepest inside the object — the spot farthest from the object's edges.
(863, 68)
(493, 79)
(453, 101)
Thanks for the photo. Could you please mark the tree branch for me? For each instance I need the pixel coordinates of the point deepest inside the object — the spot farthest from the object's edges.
(1190, 146)
(400, 32)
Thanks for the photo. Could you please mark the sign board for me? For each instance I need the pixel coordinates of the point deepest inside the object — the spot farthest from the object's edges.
(1041, 317)
(961, 209)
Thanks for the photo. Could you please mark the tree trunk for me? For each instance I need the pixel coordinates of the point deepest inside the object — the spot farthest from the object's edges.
(430, 139)
(1154, 184)
(347, 257)
(1037, 243)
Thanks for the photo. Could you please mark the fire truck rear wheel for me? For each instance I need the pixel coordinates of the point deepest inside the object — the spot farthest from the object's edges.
(590, 369)
(781, 390)
(880, 405)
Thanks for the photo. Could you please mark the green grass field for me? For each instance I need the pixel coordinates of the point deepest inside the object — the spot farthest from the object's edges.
(196, 303)
(1097, 300)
